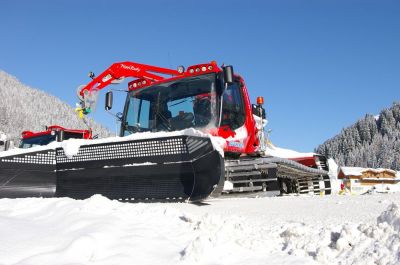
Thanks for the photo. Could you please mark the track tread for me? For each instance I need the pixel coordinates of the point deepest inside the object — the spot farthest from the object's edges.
(292, 176)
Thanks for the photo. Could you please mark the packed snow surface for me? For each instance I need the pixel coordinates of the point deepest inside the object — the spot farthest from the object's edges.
(265, 230)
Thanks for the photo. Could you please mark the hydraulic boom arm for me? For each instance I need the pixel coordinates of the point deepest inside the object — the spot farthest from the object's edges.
(115, 74)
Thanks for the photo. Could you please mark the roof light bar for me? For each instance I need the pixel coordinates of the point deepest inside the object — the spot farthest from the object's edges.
(139, 83)
(201, 68)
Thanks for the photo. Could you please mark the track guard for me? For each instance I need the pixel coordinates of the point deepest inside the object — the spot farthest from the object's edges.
(185, 168)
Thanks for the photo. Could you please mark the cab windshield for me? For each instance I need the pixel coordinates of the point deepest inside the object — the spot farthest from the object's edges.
(172, 106)
(36, 141)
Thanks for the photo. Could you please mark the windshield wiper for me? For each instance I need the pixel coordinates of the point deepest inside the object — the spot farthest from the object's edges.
(165, 122)
(180, 102)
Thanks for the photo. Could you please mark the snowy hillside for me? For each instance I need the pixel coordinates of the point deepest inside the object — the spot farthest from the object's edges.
(25, 108)
(279, 230)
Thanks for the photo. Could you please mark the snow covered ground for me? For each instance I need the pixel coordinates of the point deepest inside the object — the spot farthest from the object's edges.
(278, 230)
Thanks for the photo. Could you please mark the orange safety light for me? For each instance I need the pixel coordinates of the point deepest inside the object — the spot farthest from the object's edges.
(260, 100)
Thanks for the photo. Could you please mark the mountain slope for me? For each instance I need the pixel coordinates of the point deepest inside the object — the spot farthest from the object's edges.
(25, 108)
(373, 141)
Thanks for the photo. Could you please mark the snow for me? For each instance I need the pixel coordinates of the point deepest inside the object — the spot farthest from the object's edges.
(385, 188)
(19, 151)
(333, 175)
(268, 230)
(228, 185)
(285, 153)
(71, 146)
(260, 123)
(3, 137)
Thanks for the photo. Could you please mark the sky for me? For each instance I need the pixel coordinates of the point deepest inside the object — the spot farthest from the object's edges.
(320, 65)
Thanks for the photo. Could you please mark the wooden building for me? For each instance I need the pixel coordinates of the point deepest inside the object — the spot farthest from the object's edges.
(359, 180)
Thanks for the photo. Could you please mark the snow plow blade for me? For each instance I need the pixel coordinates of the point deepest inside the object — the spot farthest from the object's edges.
(184, 168)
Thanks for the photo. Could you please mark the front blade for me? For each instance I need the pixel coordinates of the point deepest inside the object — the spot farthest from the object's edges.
(169, 168)
(28, 174)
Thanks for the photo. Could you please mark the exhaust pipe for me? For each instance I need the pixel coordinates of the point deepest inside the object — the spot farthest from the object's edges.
(60, 135)
(8, 145)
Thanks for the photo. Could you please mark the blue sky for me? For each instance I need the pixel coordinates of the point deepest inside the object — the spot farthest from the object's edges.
(320, 65)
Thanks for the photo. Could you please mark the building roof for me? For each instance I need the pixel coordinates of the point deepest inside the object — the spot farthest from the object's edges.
(359, 171)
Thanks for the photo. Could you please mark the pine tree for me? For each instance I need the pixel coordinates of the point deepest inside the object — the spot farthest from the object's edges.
(370, 142)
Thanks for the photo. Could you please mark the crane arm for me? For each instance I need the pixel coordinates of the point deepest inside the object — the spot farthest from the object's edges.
(115, 73)
(126, 69)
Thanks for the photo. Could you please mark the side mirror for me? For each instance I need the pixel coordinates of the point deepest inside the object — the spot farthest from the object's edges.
(119, 116)
(109, 100)
(258, 110)
(228, 74)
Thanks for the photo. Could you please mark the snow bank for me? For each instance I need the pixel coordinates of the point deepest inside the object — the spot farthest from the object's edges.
(285, 230)
(364, 244)
(391, 217)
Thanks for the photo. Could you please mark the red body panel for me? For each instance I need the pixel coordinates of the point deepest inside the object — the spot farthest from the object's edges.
(235, 143)
(87, 134)
(307, 161)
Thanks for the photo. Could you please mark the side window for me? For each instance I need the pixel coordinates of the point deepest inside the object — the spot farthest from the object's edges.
(130, 115)
(233, 113)
(143, 115)
(138, 113)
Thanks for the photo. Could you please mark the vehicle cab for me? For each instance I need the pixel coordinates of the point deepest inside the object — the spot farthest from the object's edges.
(52, 133)
(204, 97)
